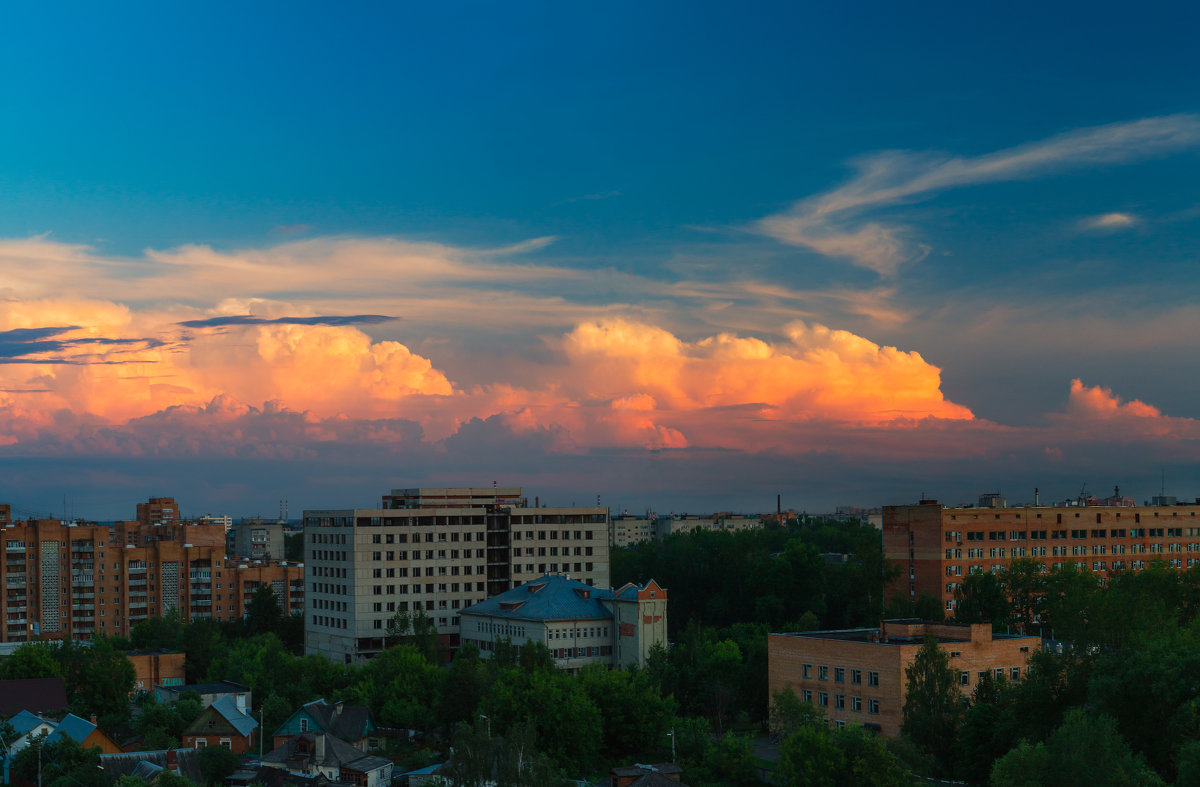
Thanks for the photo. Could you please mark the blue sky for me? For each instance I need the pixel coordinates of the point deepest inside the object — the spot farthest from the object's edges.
(674, 158)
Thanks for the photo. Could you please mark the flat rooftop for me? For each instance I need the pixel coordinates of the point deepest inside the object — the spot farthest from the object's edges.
(908, 632)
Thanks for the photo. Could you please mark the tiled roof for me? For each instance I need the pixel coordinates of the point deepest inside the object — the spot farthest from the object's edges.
(227, 707)
(551, 597)
(40, 695)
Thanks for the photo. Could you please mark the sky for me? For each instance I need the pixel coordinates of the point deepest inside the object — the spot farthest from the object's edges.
(673, 256)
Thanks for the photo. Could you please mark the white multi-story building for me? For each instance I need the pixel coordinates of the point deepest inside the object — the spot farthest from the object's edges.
(437, 550)
(579, 624)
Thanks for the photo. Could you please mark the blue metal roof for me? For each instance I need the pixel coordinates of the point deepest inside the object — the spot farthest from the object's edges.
(73, 727)
(550, 597)
(227, 707)
(25, 721)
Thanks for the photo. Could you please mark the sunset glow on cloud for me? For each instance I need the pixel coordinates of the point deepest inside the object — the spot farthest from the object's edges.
(626, 254)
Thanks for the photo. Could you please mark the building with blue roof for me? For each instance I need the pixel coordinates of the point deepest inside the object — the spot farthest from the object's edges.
(578, 623)
(222, 724)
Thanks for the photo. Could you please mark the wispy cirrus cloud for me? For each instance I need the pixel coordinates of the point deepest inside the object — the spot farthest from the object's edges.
(249, 319)
(836, 223)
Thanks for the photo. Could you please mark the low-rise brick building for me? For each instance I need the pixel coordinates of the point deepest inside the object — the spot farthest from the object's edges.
(857, 676)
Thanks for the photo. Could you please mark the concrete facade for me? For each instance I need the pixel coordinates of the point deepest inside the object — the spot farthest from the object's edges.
(255, 539)
(858, 676)
(935, 546)
(438, 550)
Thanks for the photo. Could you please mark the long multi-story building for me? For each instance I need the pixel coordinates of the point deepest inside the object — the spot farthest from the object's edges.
(935, 546)
(628, 530)
(440, 551)
(70, 581)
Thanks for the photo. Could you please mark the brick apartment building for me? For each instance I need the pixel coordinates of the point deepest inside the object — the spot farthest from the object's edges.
(158, 510)
(440, 550)
(857, 676)
(73, 581)
(936, 546)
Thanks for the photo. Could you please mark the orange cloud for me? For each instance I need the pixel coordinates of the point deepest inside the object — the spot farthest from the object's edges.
(1097, 402)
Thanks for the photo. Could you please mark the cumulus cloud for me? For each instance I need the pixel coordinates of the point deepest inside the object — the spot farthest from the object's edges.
(834, 223)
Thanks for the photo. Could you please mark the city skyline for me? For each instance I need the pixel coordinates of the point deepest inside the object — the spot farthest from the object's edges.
(680, 258)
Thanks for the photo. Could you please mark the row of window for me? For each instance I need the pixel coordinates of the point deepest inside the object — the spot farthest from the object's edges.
(839, 701)
(1137, 517)
(839, 674)
(1075, 534)
(443, 587)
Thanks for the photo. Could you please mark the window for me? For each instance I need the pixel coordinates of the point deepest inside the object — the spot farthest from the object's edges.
(822, 672)
(964, 678)
(839, 675)
(872, 705)
(872, 678)
(808, 695)
(823, 699)
(304, 725)
(808, 670)
(856, 704)
(839, 701)
(1014, 673)
(856, 677)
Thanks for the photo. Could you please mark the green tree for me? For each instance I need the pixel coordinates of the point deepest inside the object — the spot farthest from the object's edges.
(63, 763)
(202, 641)
(31, 660)
(933, 704)
(472, 757)
(789, 713)
(1024, 586)
(633, 710)
(263, 615)
(1086, 751)
(980, 599)
(460, 693)
(567, 723)
(157, 632)
(519, 763)
(818, 755)
(810, 756)
(216, 764)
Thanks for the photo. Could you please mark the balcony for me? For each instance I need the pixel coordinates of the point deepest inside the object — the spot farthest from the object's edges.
(137, 583)
(83, 608)
(85, 618)
(15, 582)
(16, 608)
(86, 594)
(83, 548)
(89, 564)
(200, 575)
(14, 548)
(17, 621)
(201, 602)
